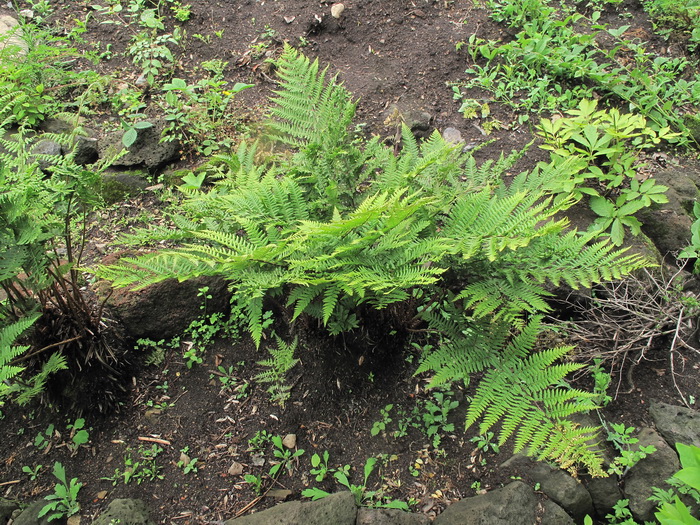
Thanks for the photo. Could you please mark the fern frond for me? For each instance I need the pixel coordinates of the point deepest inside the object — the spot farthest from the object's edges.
(304, 88)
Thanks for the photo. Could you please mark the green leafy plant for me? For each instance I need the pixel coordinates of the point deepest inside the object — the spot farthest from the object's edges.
(43, 439)
(380, 426)
(198, 115)
(259, 441)
(606, 144)
(363, 496)
(33, 473)
(675, 511)
(63, 503)
(435, 414)
(601, 383)
(282, 360)
(485, 443)
(139, 466)
(345, 226)
(151, 53)
(283, 455)
(43, 227)
(622, 439)
(552, 64)
(186, 463)
(319, 466)
(79, 435)
(132, 132)
(181, 12)
(199, 335)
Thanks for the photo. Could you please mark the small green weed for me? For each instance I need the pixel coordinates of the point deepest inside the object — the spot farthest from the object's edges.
(33, 473)
(380, 426)
(139, 466)
(186, 463)
(63, 503)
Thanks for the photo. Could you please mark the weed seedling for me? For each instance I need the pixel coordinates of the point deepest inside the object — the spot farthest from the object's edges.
(78, 435)
(319, 466)
(43, 439)
(33, 473)
(283, 455)
(259, 441)
(63, 503)
(484, 442)
(380, 426)
(255, 482)
(186, 463)
(435, 416)
(622, 440)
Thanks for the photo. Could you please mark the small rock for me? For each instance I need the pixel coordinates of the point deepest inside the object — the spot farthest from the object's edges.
(125, 511)
(74, 520)
(102, 494)
(152, 413)
(8, 26)
(258, 461)
(289, 19)
(45, 151)
(280, 494)
(337, 10)
(452, 135)
(290, 441)
(236, 469)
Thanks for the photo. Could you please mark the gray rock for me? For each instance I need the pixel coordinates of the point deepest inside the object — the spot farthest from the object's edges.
(452, 135)
(30, 515)
(147, 152)
(85, 150)
(85, 144)
(605, 493)
(668, 224)
(162, 310)
(389, 517)
(127, 511)
(555, 515)
(559, 486)
(514, 504)
(7, 507)
(676, 424)
(46, 148)
(58, 126)
(412, 114)
(336, 509)
(120, 185)
(282, 514)
(11, 34)
(650, 472)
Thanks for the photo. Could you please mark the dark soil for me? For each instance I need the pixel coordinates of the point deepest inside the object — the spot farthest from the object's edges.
(387, 52)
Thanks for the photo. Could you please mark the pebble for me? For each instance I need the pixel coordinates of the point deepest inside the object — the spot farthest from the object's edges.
(290, 441)
(452, 135)
(337, 10)
(236, 469)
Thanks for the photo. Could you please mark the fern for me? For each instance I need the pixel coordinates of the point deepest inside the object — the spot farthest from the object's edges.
(10, 382)
(343, 224)
(278, 366)
(8, 353)
(521, 389)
